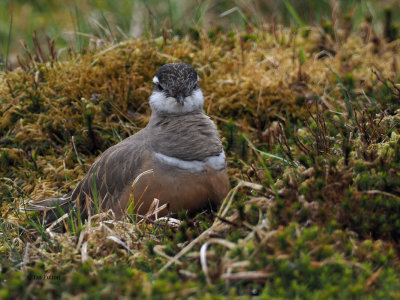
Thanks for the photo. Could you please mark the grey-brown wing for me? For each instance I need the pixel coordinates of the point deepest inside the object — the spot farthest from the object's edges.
(196, 139)
(110, 175)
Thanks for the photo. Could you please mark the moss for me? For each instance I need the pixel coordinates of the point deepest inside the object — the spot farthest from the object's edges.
(349, 81)
(5, 160)
(323, 223)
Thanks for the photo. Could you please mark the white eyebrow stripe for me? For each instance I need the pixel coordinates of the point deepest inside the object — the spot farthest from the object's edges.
(155, 80)
(216, 162)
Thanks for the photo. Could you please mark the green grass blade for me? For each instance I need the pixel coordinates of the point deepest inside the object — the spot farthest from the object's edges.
(266, 170)
(41, 229)
(346, 97)
(9, 41)
(108, 26)
(8, 241)
(290, 163)
(294, 14)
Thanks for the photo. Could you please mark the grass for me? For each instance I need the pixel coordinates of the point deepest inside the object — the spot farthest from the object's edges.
(310, 122)
(81, 24)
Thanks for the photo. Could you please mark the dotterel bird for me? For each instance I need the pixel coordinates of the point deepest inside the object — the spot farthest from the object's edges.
(180, 145)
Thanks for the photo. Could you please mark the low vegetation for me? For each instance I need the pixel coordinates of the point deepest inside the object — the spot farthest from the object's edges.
(310, 120)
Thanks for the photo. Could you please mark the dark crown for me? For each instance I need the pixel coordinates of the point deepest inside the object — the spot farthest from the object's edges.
(177, 78)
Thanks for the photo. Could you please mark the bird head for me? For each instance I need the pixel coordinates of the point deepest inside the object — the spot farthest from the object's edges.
(176, 90)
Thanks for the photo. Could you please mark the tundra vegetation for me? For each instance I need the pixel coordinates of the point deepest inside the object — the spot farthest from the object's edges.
(310, 120)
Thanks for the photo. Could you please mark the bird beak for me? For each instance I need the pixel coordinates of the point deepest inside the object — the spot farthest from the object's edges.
(180, 99)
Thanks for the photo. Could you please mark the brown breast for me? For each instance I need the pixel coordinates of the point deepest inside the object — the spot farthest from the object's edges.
(181, 189)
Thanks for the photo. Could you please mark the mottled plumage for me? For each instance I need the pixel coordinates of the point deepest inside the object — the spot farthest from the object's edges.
(177, 78)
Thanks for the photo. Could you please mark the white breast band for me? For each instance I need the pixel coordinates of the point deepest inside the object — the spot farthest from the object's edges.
(215, 162)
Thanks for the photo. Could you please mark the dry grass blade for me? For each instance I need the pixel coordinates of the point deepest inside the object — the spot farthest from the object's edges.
(159, 250)
(84, 252)
(132, 205)
(203, 254)
(226, 204)
(101, 53)
(82, 237)
(254, 275)
(185, 250)
(372, 192)
(155, 208)
(373, 277)
(203, 261)
(26, 255)
(119, 242)
(59, 220)
(172, 222)
(322, 200)
(217, 225)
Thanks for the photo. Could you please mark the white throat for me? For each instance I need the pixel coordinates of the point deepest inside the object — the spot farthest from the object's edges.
(160, 103)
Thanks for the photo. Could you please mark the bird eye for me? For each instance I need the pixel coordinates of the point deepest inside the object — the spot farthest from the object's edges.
(159, 87)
